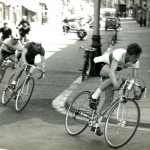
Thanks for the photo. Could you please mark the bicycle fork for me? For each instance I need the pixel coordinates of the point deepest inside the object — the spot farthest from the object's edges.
(120, 119)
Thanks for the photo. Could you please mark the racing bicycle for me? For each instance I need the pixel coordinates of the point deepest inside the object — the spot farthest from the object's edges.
(24, 88)
(121, 118)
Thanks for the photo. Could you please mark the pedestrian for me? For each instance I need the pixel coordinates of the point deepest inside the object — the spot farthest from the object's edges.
(141, 19)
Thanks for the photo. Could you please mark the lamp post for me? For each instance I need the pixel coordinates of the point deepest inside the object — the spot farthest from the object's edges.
(147, 12)
(96, 36)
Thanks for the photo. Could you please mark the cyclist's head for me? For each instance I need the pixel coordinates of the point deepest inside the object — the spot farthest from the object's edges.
(24, 17)
(133, 52)
(15, 37)
(36, 42)
(25, 25)
(5, 23)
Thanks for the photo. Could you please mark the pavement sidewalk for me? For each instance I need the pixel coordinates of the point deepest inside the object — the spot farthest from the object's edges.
(131, 33)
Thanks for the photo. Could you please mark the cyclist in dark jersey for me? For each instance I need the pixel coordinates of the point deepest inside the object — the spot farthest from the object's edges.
(24, 20)
(24, 31)
(30, 50)
(6, 32)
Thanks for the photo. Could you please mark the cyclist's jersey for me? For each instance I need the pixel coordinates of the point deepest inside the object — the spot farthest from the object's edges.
(119, 56)
(24, 31)
(65, 21)
(24, 21)
(9, 47)
(5, 33)
(31, 53)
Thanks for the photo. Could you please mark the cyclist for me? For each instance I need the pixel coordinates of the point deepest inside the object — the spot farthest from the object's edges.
(6, 32)
(30, 50)
(24, 31)
(24, 20)
(66, 23)
(11, 46)
(107, 66)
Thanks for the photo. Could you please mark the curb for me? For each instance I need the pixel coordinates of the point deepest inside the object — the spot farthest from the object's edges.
(60, 101)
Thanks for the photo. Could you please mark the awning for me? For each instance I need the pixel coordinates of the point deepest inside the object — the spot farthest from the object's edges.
(33, 7)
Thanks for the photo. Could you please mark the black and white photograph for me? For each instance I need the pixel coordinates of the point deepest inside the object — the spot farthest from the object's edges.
(74, 74)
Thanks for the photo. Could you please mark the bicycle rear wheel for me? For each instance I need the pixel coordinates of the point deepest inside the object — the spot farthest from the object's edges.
(24, 94)
(2, 73)
(78, 114)
(85, 68)
(7, 93)
(119, 132)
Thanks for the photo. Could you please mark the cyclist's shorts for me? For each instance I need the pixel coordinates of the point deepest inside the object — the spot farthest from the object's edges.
(99, 66)
(6, 54)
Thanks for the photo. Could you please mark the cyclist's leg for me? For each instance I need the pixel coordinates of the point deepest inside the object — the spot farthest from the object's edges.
(109, 94)
(104, 72)
(17, 75)
(4, 54)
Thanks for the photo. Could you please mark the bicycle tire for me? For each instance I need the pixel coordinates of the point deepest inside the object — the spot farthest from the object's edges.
(6, 97)
(73, 124)
(2, 73)
(65, 30)
(85, 68)
(113, 40)
(129, 125)
(20, 101)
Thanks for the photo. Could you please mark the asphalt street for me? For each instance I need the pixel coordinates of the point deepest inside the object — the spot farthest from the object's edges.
(40, 126)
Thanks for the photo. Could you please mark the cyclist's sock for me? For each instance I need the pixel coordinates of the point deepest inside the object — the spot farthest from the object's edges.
(14, 82)
(97, 93)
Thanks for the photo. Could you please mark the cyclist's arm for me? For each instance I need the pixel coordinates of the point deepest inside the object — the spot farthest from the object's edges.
(112, 72)
(43, 63)
(24, 52)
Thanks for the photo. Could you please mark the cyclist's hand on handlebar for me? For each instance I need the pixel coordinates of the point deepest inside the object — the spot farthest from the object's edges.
(136, 95)
(116, 87)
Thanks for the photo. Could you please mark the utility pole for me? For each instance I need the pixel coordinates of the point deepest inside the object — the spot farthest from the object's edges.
(96, 36)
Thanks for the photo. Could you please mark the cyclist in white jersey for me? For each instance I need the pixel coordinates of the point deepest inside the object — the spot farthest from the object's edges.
(11, 46)
(107, 66)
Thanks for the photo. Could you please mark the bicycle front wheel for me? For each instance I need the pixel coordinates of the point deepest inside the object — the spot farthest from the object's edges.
(7, 93)
(78, 114)
(121, 123)
(2, 73)
(24, 94)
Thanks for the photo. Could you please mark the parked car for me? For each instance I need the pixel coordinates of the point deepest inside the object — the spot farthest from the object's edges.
(111, 22)
(73, 23)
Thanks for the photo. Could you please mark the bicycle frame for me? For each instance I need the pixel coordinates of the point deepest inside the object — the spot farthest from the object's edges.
(120, 99)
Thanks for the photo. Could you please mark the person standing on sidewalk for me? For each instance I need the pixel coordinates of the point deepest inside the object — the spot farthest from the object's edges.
(144, 20)
(107, 67)
(141, 19)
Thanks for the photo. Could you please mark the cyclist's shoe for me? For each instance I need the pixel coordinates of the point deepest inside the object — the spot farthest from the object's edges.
(12, 86)
(97, 131)
(93, 103)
